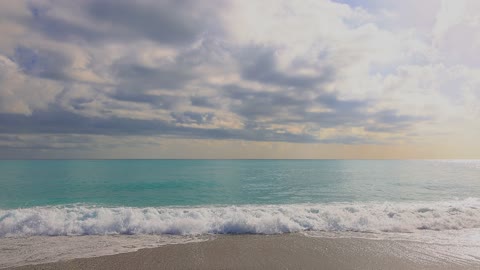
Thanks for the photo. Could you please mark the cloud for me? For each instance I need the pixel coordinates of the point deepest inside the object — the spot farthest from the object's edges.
(289, 108)
(167, 22)
(42, 63)
(166, 102)
(149, 77)
(192, 117)
(163, 21)
(253, 104)
(203, 101)
(317, 72)
(22, 94)
(63, 122)
(261, 65)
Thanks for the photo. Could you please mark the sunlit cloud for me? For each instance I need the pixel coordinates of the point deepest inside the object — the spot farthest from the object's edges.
(78, 79)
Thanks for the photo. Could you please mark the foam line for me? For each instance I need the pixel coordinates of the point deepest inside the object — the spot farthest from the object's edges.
(256, 219)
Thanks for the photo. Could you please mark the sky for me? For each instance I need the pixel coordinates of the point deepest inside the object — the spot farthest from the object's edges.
(240, 79)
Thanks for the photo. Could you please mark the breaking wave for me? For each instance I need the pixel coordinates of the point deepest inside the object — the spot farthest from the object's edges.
(245, 219)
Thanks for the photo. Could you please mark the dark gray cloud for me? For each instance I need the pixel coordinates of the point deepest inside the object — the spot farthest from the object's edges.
(339, 113)
(167, 21)
(167, 102)
(170, 22)
(81, 103)
(42, 63)
(135, 78)
(43, 22)
(203, 101)
(259, 64)
(57, 121)
(140, 76)
(331, 101)
(290, 108)
(44, 142)
(284, 107)
(192, 117)
(256, 104)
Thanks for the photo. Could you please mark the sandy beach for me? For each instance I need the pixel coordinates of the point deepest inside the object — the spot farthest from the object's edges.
(290, 251)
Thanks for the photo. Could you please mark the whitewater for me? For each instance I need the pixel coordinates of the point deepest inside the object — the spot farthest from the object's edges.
(247, 219)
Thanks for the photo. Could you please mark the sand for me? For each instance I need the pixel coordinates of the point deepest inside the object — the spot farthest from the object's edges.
(289, 251)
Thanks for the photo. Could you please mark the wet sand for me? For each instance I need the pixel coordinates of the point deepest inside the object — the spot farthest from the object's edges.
(290, 251)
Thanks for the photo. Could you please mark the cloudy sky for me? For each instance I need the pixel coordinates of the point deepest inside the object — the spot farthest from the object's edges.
(240, 79)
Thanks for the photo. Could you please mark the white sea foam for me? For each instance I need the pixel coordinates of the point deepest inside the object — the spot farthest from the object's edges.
(257, 219)
(17, 251)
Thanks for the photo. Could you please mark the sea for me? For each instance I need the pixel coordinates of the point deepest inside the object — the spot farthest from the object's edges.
(125, 205)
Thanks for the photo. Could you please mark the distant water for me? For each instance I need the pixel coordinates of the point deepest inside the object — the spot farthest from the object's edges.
(194, 197)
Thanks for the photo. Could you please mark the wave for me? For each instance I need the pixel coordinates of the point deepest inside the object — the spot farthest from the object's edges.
(248, 219)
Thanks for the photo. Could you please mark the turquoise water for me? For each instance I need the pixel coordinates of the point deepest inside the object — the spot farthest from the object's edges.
(192, 197)
(143, 183)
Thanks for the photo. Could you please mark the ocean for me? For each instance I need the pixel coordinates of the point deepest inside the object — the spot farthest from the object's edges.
(188, 200)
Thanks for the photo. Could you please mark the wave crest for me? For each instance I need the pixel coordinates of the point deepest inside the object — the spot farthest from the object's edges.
(256, 219)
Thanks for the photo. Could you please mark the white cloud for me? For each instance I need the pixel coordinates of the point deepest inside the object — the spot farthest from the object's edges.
(456, 32)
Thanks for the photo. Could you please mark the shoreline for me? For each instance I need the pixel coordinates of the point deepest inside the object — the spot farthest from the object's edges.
(292, 251)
